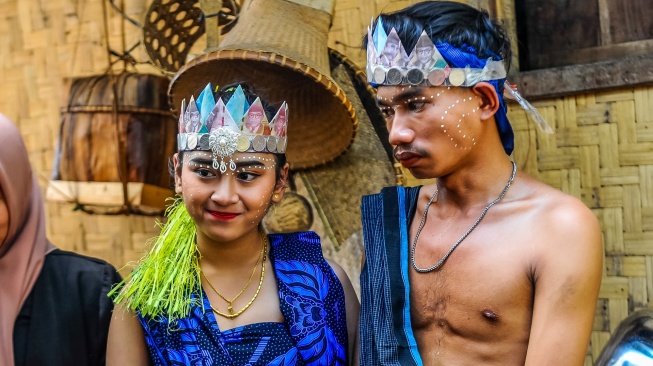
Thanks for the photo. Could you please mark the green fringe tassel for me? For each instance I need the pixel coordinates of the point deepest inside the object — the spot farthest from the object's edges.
(162, 283)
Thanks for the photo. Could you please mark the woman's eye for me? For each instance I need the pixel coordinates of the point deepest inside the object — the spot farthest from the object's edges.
(416, 106)
(387, 112)
(246, 176)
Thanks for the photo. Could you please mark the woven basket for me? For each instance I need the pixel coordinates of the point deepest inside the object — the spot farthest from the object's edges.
(280, 48)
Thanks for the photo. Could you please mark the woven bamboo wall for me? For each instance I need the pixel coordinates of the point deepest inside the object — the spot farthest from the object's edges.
(602, 151)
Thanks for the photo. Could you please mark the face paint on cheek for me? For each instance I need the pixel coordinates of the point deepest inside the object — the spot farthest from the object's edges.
(458, 136)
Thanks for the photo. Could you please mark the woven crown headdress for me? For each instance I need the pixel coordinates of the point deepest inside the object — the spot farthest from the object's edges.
(389, 64)
(227, 128)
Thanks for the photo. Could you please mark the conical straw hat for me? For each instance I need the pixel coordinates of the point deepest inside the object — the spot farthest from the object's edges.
(280, 49)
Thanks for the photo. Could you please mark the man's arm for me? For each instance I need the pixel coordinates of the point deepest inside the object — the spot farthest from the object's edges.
(567, 276)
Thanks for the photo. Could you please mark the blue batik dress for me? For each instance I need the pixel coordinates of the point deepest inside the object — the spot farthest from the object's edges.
(312, 303)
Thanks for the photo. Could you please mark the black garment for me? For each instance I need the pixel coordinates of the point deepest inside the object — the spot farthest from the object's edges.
(65, 319)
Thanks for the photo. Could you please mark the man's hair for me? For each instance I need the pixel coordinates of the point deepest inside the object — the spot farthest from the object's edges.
(455, 23)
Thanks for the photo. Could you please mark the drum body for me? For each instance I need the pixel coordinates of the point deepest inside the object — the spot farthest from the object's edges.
(131, 143)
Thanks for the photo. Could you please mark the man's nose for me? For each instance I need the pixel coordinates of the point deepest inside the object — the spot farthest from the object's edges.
(400, 132)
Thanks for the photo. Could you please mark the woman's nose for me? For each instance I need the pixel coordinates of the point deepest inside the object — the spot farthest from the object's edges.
(224, 193)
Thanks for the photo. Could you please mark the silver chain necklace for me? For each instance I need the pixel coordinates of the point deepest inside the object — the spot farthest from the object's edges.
(478, 220)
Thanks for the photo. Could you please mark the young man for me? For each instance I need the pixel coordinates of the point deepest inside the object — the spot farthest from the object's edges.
(487, 266)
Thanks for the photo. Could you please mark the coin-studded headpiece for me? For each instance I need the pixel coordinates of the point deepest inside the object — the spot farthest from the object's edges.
(227, 128)
(389, 64)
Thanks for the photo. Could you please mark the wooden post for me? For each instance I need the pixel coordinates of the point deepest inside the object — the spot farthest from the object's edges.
(211, 8)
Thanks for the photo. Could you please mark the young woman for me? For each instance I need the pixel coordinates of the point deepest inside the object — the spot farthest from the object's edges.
(214, 289)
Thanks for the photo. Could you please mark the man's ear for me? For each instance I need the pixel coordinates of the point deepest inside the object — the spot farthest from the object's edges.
(280, 188)
(489, 99)
(177, 168)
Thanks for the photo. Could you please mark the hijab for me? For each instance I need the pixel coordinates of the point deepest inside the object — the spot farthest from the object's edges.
(24, 248)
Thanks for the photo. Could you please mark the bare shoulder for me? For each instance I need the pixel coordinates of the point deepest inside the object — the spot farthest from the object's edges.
(556, 210)
(561, 219)
(340, 273)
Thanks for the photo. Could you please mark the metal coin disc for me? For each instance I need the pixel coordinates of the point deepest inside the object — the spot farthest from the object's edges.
(394, 76)
(457, 77)
(258, 143)
(415, 76)
(281, 144)
(379, 75)
(272, 144)
(436, 77)
(243, 143)
(192, 141)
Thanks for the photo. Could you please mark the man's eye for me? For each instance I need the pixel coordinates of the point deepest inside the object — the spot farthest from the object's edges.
(415, 106)
(246, 176)
(204, 173)
(387, 112)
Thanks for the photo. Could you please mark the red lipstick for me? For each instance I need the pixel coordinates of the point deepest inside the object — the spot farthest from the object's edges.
(224, 215)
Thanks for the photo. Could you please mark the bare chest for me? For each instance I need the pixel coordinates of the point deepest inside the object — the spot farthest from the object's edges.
(482, 291)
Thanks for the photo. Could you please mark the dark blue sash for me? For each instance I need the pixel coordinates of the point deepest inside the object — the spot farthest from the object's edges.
(386, 331)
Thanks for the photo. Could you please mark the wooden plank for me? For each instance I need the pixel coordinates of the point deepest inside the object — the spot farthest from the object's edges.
(638, 291)
(632, 209)
(612, 224)
(634, 19)
(140, 195)
(619, 176)
(598, 340)
(614, 288)
(646, 184)
(636, 154)
(618, 309)
(570, 80)
(639, 243)
(562, 158)
(590, 176)
(577, 136)
(647, 218)
(611, 197)
(644, 132)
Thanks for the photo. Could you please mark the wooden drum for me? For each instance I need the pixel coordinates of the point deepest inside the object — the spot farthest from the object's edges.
(100, 143)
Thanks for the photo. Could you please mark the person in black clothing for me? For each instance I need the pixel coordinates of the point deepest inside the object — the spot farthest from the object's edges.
(54, 308)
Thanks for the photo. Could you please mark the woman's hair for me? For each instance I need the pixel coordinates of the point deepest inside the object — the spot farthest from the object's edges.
(446, 21)
(226, 93)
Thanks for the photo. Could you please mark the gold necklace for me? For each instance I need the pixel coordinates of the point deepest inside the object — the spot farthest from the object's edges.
(230, 308)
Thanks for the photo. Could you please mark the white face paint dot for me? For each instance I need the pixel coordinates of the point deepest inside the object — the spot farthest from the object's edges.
(442, 117)
(442, 126)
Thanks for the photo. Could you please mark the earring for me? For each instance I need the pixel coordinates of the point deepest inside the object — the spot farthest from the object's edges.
(276, 195)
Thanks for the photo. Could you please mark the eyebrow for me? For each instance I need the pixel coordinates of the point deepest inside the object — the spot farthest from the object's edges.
(250, 163)
(403, 96)
(202, 161)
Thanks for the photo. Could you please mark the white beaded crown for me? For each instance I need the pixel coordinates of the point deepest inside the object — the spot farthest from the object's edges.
(227, 128)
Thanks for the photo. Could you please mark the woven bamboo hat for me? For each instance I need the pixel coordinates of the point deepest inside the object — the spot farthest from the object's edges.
(279, 47)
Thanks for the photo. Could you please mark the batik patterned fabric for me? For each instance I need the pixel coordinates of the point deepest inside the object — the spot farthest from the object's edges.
(312, 303)
(386, 335)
